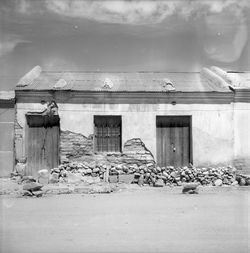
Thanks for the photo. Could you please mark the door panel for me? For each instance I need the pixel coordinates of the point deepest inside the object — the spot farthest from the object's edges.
(42, 149)
(173, 140)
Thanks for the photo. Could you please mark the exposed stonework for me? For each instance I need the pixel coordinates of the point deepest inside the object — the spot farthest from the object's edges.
(77, 147)
(18, 143)
(242, 164)
(136, 152)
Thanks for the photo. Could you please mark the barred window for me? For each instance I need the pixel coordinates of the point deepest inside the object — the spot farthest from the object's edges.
(107, 133)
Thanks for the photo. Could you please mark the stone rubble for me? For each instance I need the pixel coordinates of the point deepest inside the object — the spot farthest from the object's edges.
(148, 174)
(32, 189)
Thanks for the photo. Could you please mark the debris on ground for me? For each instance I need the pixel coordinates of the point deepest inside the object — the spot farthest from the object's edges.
(149, 174)
(190, 188)
(32, 189)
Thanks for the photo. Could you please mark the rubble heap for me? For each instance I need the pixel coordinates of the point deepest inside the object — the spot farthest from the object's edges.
(148, 174)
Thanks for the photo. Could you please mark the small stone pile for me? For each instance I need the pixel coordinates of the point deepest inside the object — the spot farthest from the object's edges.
(243, 180)
(148, 174)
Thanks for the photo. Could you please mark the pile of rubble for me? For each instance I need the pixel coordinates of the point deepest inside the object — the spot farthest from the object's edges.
(146, 174)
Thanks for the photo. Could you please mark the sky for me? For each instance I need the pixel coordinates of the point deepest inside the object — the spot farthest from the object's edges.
(117, 35)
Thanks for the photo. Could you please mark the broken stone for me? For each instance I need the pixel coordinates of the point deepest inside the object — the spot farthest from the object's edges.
(43, 176)
(88, 171)
(27, 193)
(33, 186)
(43, 180)
(113, 179)
(43, 173)
(38, 193)
(28, 179)
(190, 191)
(54, 178)
(20, 168)
(247, 181)
(235, 183)
(73, 178)
(190, 187)
(159, 183)
(242, 181)
(218, 182)
(96, 170)
(141, 180)
(127, 178)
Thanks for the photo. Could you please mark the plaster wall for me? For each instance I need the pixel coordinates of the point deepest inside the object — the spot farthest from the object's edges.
(6, 140)
(242, 136)
(212, 125)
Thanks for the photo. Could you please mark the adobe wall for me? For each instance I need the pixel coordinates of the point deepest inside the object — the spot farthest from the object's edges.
(212, 126)
(6, 139)
(242, 137)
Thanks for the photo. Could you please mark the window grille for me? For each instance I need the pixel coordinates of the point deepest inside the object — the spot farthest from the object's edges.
(107, 133)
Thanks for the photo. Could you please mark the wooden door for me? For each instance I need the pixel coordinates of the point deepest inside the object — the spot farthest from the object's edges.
(42, 149)
(173, 140)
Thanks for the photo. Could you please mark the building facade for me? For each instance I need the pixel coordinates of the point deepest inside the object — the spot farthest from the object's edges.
(7, 116)
(146, 117)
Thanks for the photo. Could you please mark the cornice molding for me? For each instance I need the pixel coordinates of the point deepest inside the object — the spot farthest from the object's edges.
(85, 97)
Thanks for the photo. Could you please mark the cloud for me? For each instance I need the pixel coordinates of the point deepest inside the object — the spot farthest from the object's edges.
(9, 42)
(132, 12)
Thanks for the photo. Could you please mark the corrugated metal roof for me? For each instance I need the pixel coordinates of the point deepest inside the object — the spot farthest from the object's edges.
(123, 81)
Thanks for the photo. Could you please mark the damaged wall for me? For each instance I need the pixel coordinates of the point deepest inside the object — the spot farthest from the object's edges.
(212, 128)
(77, 147)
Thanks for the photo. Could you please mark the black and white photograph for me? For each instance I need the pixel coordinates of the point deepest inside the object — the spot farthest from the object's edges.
(124, 126)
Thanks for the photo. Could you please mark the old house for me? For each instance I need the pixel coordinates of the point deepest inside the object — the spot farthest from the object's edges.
(144, 117)
(7, 112)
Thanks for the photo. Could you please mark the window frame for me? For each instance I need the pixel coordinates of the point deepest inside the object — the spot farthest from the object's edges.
(106, 119)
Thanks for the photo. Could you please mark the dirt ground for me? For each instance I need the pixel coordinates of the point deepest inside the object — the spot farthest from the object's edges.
(131, 220)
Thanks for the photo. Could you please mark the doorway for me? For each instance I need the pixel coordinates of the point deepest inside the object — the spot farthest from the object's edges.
(173, 137)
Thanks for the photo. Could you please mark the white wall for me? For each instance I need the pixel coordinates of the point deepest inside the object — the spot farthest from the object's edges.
(212, 125)
(242, 136)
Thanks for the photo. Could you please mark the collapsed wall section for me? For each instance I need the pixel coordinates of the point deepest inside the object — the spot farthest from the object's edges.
(77, 147)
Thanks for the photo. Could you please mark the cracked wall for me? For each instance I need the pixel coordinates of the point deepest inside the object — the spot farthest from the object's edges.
(77, 147)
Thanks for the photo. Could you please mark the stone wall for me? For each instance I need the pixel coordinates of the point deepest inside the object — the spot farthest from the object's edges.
(77, 147)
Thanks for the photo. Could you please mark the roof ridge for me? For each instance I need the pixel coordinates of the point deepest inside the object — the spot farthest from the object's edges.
(132, 72)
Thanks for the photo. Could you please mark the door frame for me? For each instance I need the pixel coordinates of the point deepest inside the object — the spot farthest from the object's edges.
(190, 134)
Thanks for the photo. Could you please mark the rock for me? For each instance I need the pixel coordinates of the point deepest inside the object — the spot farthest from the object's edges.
(235, 183)
(190, 186)
(27, 193)
(96, 170)
(73, 178)
(159, 183)
(190, 191)
(88, 171)
(43, 173)
(242, 181)
(126, 178)
(38, 193)
(20, 168)
(33, 186)
(28, 179)
(141, 180)
(56, 170)
(248, 181)
(218, 182)
(43, 180)
(54, 178)
(113, 179)
(43, 176)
